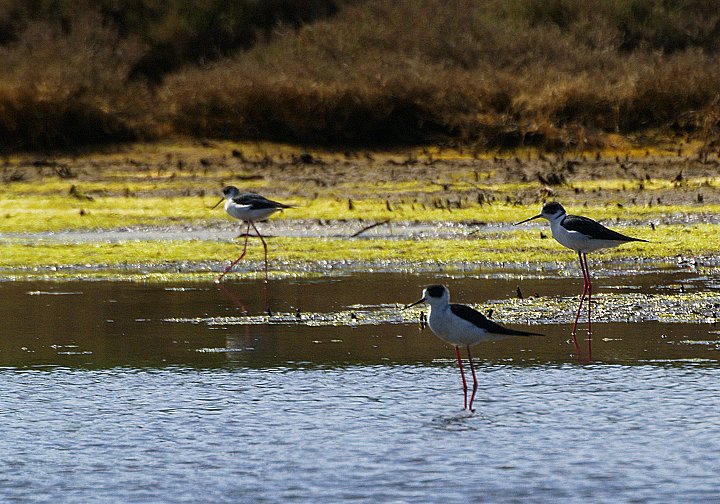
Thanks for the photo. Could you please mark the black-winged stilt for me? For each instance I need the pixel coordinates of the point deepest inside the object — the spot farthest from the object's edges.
(250, 208)
(582, 235)
(461, 325)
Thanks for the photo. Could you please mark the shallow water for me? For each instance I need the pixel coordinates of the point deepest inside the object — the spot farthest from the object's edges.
(126, 392)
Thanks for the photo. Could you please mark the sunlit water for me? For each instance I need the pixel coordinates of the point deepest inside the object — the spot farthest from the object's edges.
(120, 392)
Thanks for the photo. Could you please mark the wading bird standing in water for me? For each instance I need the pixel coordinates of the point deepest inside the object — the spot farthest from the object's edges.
(463, 326)
(582, 235)
(250, 208)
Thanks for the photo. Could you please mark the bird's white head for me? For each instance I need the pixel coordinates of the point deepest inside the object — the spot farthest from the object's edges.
(434, 295)
(551, 211)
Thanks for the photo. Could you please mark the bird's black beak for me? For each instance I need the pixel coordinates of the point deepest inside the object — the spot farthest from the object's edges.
(528, 220)
(216, 204)
(413, 304)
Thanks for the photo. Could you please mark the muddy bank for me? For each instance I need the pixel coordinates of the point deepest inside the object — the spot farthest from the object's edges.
(431, 176)
(144, 211)
(205, 272)
(696, 308)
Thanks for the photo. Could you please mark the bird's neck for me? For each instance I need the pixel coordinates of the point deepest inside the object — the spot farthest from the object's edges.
(556, 224)
(438, 310)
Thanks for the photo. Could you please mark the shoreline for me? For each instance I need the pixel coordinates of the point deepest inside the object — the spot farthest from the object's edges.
(147, 206)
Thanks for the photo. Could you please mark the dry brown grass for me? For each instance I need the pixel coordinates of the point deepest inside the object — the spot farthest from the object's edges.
(558, 73)
(60, 90)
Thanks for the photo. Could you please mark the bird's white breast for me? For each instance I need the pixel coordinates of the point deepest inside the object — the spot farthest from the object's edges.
(453, 329)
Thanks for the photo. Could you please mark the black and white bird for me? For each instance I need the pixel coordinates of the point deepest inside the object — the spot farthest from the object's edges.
(462, 326)
(250, 208)
(582, 235)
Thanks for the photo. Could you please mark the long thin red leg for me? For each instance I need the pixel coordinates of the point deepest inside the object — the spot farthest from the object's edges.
(475, 381)
(265, 247)
(582, 299)
(589, 289)
(462, 374)
(247, 235)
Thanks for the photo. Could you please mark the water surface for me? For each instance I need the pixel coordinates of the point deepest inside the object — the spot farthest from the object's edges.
(126, 392)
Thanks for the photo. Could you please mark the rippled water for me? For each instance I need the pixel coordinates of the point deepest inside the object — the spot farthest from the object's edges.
(125, 392)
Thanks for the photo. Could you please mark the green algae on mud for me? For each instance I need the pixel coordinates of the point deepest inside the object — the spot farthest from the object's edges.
(169, 187)
(58, 213)
(157, 185)
(304, 255)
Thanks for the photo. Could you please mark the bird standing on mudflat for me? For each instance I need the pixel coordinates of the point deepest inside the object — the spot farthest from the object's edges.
(461, 325)
(250, 208)
(582, 235)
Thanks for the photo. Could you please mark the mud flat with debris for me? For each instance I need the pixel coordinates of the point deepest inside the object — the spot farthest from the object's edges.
(143, 212)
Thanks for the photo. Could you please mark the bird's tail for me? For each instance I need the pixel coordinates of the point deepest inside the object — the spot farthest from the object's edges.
(515, 332)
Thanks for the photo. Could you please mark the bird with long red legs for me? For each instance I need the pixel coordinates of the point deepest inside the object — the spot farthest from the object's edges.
(583, 235)
(462, 326)
(249, 208)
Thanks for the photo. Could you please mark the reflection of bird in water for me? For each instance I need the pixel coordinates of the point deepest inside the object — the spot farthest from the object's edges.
(461, 325)
(234, 298)
(250, 208)
(582, 235)
(236, 341)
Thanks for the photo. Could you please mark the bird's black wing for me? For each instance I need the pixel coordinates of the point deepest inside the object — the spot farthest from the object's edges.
(257, 201)
(589, 227)
(479, 320)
